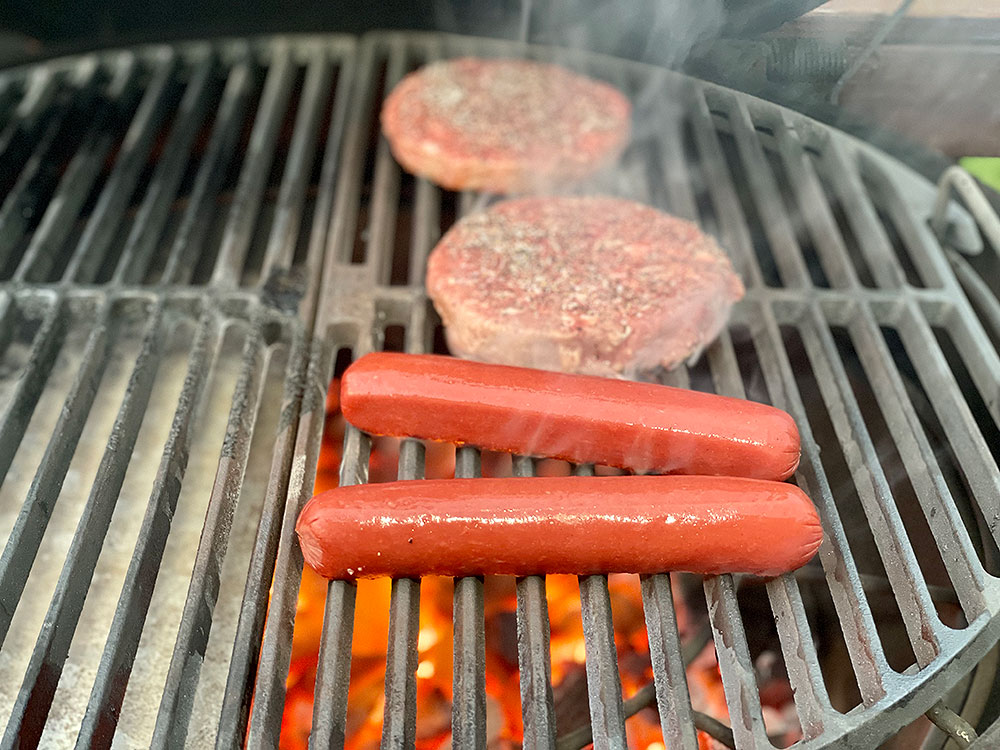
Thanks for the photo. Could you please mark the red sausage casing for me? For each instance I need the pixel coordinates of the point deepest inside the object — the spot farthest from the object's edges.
(581, 525)
(638, 426)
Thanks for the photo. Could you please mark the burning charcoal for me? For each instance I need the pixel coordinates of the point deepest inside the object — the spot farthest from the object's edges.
(572, 706)
(501, 634)
(433, 714)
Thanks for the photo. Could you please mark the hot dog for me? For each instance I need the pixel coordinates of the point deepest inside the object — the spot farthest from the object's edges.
(582, 525)
(638, 426)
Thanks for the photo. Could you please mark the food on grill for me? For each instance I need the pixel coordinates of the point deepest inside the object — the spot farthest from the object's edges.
(593, 285)
(503, 126)
(582, 525)
(638, 426)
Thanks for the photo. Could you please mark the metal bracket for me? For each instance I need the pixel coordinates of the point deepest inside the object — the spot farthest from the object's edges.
(949, 722)
(876, 41)
(957, 179)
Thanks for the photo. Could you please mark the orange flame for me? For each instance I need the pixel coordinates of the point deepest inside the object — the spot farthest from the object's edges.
(434, 645)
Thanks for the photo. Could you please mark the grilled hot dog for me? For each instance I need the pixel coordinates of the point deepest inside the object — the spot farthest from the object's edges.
(638, 426)
(582, 525)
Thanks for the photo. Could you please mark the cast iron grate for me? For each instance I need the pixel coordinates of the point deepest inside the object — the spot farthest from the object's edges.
(188, 237)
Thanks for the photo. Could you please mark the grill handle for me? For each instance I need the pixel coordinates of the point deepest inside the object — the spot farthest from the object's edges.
(957, 179)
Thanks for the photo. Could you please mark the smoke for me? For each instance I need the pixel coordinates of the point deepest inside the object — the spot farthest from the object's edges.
(653, 168)
(662, 34)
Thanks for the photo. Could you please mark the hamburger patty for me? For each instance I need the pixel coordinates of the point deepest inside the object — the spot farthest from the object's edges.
(593, 285)
(503, 126)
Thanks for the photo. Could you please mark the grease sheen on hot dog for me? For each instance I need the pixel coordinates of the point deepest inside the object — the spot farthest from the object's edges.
(638, 426)
(581, 525)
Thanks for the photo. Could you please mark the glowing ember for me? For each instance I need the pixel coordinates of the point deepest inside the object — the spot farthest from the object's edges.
(434, 643)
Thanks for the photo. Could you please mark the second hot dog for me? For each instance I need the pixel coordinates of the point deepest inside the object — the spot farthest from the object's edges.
(637, 426)
(581, 525)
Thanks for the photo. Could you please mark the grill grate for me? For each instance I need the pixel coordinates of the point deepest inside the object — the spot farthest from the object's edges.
(159, 287)
(226, 337)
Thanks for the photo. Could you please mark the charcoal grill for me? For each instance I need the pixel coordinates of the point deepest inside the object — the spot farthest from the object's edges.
(190, 237)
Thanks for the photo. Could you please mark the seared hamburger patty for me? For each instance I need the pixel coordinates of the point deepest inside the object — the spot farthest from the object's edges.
(503, 126)
(592, 285)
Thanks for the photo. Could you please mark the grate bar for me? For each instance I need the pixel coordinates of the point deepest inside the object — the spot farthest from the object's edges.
(468, 713)
(34, 376)
(9, 91)
(275, 652)
(196, 619)
(767, 198)
(604, 687)
(468, 716)
(347, 207)
(80, 175)
(32, 519)
(738, 677)
(183, 255)
(19, 205)
(677, 377)
(385, 185)
(239, 681)
(131, 159)
(330, 717)
(332, 678)
(812, 701)
(860, 636)
(469, 201)
(399, 723)
(420, 331)
(861, 214)
(813, 207)
(41, 678)
(537, 707)
(732, 225)
(725, 369)
(978, 355)
(152, 216)
(533, 655)
(632, 179)
(41, 90)
(301, 153)
(10, 318)
(978, 352)
(915, 233)
(256, 168)
(801, 660)
(108, 692)
(964, 436)
(921, 464)
(323, 207)
(669, 675)
(990, 738)
(426, 229)
(895, 549)
(675, 171)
